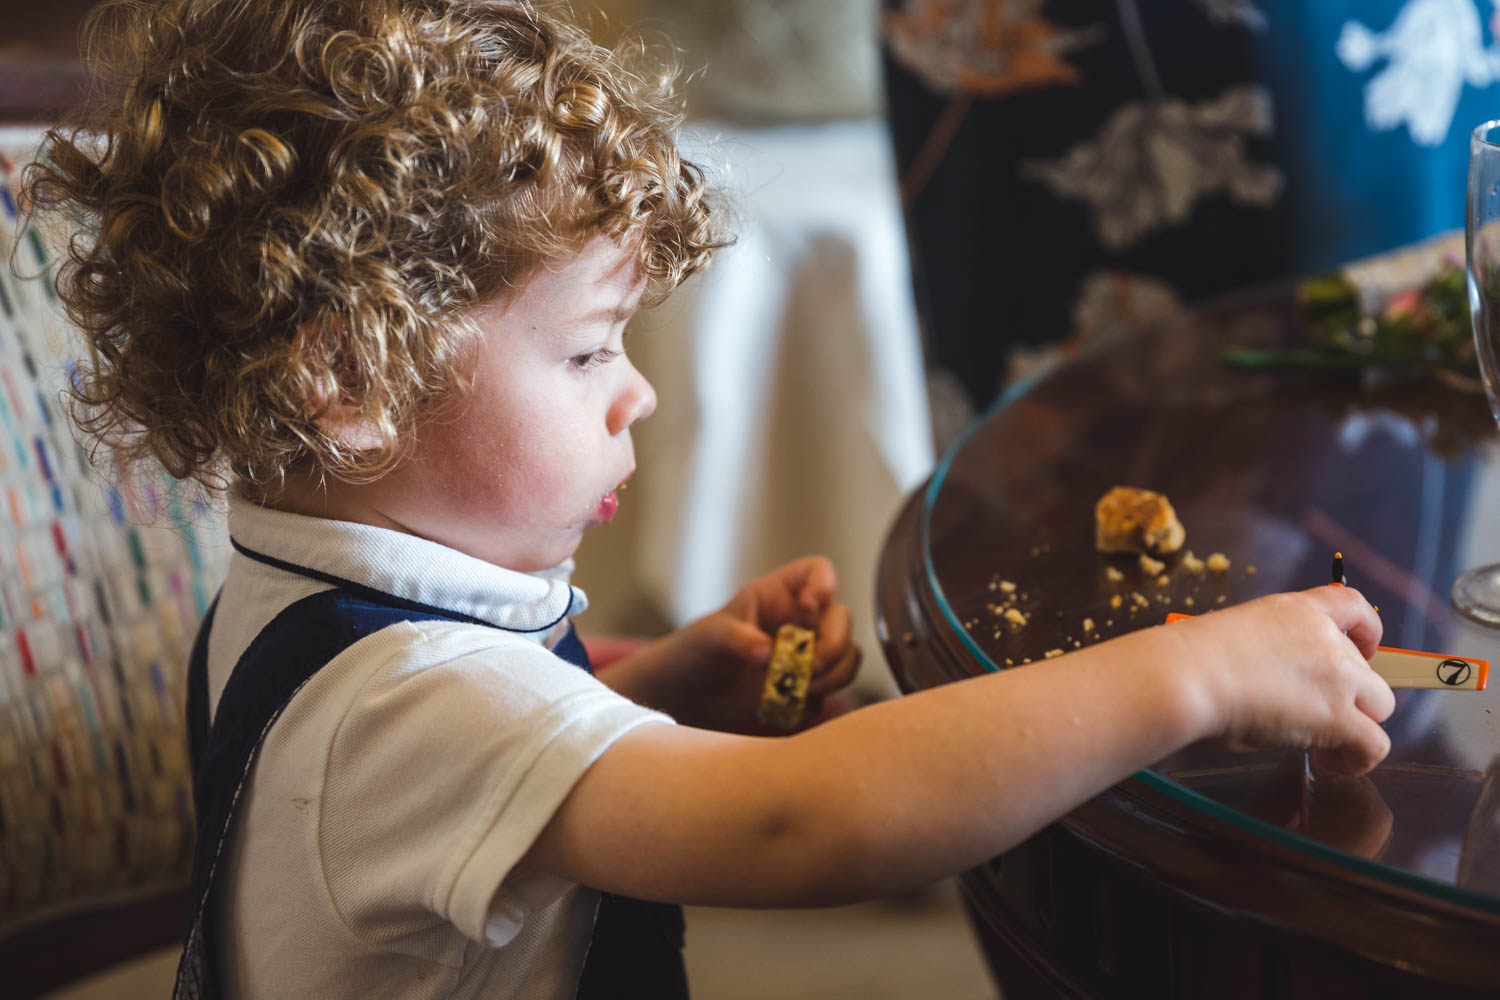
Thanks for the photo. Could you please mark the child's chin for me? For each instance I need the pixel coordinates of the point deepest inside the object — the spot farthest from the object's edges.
(534, 560)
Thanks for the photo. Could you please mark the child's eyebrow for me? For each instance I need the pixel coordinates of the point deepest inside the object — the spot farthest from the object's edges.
(613, 314)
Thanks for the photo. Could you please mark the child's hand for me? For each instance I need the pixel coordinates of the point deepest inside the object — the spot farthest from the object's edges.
(721, 659)
(1295, 672)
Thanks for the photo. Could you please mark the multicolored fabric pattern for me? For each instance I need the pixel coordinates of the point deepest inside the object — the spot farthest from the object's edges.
(101, 589)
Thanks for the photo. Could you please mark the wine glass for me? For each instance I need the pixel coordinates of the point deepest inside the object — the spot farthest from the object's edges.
(1477, 593)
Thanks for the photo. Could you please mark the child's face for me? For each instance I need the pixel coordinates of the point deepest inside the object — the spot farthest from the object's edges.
(532, 456)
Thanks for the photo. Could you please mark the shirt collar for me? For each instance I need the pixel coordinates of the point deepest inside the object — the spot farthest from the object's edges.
(404, 566)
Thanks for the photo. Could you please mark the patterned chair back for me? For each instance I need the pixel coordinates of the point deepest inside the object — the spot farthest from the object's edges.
(101, 589)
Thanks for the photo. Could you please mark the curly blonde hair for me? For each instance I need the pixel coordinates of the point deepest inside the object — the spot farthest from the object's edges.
(279, 204)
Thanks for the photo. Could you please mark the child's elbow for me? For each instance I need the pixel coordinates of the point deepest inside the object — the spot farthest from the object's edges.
(829, 850)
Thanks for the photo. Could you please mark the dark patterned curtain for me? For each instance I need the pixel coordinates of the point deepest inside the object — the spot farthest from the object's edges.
(1068, 167)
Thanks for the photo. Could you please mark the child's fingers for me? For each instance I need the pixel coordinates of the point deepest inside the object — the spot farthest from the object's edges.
(1365, 745)
(1352, 614)
(1374, 697)
(748, 641)
(833, 633)
(813, 582)
(839, 674)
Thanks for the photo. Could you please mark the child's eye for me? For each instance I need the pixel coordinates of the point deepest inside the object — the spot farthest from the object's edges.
(592, 359)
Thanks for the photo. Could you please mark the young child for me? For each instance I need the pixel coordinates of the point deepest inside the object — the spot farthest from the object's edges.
(369, 262)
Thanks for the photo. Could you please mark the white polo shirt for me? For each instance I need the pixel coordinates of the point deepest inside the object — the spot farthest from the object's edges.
(375, 850)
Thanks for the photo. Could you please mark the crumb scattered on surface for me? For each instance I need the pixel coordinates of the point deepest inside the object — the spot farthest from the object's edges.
(1009, 662)
(1007, 586)
(1219, 599)
(1249, 570)
(1191, 563)
(1017, 618)
(1218, 562)
(1088, 624)
(1077, 644)
(1188, 600)
(1051, 653)
(1163, 580)
(1150, 566)
(1113, 575)
(1139, 599)
(1115, 601)
(1109, 622)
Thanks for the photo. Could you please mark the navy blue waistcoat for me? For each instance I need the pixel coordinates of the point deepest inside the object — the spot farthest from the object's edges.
(636, 948)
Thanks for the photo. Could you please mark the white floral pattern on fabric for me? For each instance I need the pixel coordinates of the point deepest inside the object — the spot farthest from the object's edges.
(1433, 48)
(1241, 12)
(1153, 160)
(1111, 301)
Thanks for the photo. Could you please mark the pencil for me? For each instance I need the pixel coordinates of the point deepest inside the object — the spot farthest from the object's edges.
(1338, 570)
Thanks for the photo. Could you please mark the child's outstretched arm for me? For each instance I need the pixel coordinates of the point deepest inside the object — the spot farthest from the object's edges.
(893, 796)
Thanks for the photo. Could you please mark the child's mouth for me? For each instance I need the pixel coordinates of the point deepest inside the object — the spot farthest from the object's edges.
(609, 504)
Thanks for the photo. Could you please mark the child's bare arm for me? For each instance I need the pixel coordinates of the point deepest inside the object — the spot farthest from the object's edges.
(898, 794)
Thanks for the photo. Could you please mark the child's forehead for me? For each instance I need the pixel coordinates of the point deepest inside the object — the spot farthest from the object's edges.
(601, 277)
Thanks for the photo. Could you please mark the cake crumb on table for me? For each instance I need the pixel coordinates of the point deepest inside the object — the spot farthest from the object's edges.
(1150, 566)
(1113, 575)
(1129, 519)
(1052, 653)
(1218, 562)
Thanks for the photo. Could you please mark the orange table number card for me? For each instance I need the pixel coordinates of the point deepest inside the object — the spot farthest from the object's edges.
(1410, 668)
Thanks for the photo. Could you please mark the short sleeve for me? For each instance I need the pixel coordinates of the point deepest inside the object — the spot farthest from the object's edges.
(453, 755)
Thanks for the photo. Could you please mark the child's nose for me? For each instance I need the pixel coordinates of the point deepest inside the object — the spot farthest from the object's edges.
(635, 403)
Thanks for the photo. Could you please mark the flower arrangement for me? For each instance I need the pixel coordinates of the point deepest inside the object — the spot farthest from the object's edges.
(1424, 331)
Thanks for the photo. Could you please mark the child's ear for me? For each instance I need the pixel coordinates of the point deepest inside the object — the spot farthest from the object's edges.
(342, 423)
(339, 419)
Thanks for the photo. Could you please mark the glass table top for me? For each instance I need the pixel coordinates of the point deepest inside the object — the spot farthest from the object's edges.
(1277, 471)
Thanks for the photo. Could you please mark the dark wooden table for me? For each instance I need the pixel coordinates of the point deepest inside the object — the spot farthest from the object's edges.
(1213, 874)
